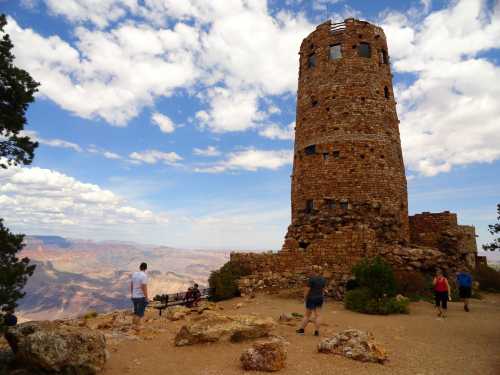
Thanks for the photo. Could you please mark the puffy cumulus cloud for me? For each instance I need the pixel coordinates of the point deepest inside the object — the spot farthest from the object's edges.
(154, 156)
(114, 72)
(163, 122)
(250, 160)
(109, 74)
(449, 113)
(100, 12)
(275, 131)
(209, 151)
(35, 197)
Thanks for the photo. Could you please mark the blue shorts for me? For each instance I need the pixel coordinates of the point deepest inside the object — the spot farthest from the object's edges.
(314, 303)
(139, 306)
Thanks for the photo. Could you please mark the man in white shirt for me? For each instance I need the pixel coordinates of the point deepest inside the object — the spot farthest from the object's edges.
(139, 294)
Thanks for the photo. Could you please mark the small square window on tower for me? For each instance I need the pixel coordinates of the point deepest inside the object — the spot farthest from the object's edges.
(310, 150)
(330, 203)
(335, 52)
(344, 205)
(336, 154)
(311, 61)
(309, 205)
(364, 50)
(386, 92)
(325, 155)
(384, 58)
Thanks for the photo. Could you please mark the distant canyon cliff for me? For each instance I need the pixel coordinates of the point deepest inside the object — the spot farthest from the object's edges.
(74, 276)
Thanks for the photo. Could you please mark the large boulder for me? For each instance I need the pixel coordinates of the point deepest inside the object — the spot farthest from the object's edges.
(211, 327)
(354, 344)
(56, 347)
(264, 356)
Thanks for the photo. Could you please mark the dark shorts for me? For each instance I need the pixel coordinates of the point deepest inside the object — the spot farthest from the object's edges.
(314, 303)
(139, 306)
(464, 292)
(442, 299)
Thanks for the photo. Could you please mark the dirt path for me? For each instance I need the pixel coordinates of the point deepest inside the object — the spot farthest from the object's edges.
(419, 343)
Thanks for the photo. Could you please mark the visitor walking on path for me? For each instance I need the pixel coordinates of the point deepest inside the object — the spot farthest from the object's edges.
(442, 292)
(464, 282)
(313, 296)
(139, 294)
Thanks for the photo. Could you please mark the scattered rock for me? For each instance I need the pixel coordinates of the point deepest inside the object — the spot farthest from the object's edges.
(177, 312)
(212, 327)
(354, 344)
(57, 347)
(285, 317)
(239, 305)
(264, 356)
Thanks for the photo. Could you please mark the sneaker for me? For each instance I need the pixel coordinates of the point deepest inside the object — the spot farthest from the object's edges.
(300, 331)
(466, 308)
(316, 333)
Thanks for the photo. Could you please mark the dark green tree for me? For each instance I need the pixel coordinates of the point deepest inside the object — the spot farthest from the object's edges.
(494, 229)
(14, 272)
(16, 93)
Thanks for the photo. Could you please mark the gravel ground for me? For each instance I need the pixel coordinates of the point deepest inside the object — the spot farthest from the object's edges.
(419, 343)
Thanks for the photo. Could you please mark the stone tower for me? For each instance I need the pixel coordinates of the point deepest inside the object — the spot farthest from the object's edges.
(348, 182)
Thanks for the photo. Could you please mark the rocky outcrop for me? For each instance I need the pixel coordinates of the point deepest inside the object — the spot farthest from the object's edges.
(212, 327)
(177, 312)
(354, 344)
(265, 356)
(56, 347)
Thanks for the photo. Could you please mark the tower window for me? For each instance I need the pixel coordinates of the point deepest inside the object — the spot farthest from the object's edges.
(344, 205)
(364, 50)
(386, 92)
(311, 61)
(384, 59)
(309, 205)
(335, 52)
(314, 102)
(336, 154)
(310, 150)
(330, 203)
(325, 156)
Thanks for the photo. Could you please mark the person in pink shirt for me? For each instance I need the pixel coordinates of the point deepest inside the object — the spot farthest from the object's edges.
(442, 293)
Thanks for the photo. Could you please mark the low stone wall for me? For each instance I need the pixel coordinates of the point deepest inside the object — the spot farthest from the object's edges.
(288, 270)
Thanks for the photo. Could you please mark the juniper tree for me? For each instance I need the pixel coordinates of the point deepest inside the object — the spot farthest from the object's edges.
(16, 93)
(494, 229)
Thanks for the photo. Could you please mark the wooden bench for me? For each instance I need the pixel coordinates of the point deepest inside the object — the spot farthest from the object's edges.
(165, 301)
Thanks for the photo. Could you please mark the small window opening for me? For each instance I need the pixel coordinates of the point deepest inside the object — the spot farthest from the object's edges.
(311, 61)
(382, 156)
(344, 205)
(386, 92)
(309, 205)
(360, 36)
(330, 203)
(336, 154)
(303, 244)
(314, 102)
(310, 150)
(327, 109)
(325, 156)
(336, 128)
(362, 156)
(335, 52)
(363, 100)
(364, 50)
(384, 58)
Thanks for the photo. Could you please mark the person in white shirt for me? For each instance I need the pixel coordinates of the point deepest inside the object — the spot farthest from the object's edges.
(139, 294)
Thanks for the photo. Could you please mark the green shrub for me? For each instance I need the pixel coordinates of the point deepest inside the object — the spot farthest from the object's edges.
(488, 278)
(360, 300)
(224, 282)
(376, 276)
(90, 314)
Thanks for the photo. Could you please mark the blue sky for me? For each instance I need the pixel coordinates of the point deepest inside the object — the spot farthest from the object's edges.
(171, 122)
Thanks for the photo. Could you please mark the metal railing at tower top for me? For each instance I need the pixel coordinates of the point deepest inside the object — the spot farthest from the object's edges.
(337, 27)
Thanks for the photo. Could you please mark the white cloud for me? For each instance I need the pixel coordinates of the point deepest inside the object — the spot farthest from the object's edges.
(275, 131)
(155, 156)
(37, 197)
(111, 155)
(163, 122)
(449, 114)
(209, 151)
(250, 160)
(111, 75)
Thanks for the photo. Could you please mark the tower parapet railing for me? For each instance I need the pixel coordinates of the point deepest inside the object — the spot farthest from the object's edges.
(337, 27)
